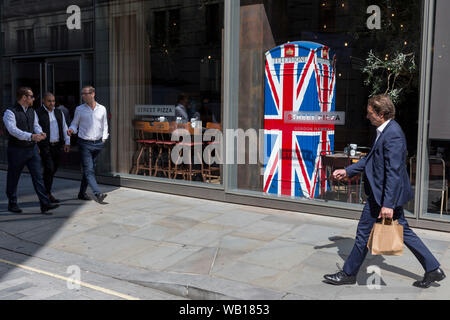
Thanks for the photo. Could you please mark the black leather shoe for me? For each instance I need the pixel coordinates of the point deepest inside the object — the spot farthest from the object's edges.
(430, 277)
(53, 199)
(13, 207)
(100, 197)
(45, 209)
(84, 197)
(340, 278)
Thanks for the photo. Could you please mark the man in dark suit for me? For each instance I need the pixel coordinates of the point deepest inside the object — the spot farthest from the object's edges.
(53, 123)
(388, 188)
(24, 131)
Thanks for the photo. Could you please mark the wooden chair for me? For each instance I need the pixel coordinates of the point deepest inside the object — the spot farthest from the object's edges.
(331, 163)
(437, 167)
(212, 172)
(145, 147)
(163, 131)
(187, 170)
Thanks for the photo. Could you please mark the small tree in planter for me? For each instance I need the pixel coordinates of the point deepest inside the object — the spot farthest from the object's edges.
(391, 75)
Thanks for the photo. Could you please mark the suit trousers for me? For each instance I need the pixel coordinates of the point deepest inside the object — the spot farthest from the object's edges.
(369, 216)
(51, 157)
(18, 158)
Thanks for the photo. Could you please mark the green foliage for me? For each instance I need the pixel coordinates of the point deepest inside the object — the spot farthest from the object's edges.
(387, 57)
(390, 75)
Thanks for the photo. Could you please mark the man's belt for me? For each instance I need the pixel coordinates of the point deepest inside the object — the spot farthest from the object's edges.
(91, 141)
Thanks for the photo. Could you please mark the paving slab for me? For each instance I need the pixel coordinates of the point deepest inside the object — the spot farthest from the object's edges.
(198, 249)
(253, 274)
(236, 219)
(279, 254)
(264, 230)
(203, 234)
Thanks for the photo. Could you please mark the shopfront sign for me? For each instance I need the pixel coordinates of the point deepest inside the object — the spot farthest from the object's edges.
(299, 118)
(335, 118)
(155, 110)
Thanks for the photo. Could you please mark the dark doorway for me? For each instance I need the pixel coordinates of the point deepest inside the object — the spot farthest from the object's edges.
(61, 76)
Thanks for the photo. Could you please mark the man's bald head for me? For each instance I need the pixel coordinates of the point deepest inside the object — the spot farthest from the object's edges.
(49, 100)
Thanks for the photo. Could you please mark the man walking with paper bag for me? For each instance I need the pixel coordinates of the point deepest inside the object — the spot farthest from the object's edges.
(388, 188)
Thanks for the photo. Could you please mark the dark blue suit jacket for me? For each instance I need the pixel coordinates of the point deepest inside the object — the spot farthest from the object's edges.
(385, 169)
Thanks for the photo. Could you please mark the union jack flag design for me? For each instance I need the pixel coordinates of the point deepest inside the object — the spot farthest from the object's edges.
(300, 77)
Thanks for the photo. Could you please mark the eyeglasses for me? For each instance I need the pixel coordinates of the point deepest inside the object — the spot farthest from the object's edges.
(85, 93)
(29, 95)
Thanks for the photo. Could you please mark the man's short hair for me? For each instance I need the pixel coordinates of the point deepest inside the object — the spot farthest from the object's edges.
(90, 88)
(22, 91)
(181, 97)
(47, 94)
(382, 105)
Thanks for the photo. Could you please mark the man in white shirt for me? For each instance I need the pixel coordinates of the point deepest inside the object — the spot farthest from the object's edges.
(24, 131)
(91, 123)
(53, 123)
(181, 108)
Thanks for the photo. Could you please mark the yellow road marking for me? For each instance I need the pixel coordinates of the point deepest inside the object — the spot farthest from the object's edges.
(81, 283)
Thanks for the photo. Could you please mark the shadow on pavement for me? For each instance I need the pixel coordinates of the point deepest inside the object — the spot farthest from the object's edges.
(345, 245)
(22, 235)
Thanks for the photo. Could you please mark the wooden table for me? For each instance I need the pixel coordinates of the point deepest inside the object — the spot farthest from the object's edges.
(340, 160)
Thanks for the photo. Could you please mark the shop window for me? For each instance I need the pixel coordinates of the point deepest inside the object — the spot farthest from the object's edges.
(436, 163)
(299, 155)
(174, 27)
(327, 16)
(160, 28)
(213, 13)
(166, 75)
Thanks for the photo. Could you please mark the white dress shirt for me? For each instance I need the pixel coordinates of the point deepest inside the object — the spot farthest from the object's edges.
(54, 128)
(180, 111)
(381, 128)
(90, 124)
(9, 119)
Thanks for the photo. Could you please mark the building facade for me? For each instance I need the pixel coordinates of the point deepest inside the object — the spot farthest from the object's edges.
(149, 59)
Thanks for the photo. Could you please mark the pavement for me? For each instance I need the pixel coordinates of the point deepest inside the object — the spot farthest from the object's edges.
(154, 246)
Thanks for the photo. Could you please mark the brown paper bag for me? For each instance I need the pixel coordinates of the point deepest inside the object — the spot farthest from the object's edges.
(386, 239)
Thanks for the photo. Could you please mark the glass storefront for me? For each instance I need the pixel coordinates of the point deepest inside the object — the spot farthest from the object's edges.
(161, 71)
(43, 53)
(323, 56)
(436, 162)
(257, 98)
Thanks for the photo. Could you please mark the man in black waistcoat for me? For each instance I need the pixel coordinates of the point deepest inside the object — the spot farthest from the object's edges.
(54, 125)
(24, 131)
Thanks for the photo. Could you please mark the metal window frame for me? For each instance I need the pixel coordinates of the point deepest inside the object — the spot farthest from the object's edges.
(228, 192)
(424, 116)
(231, 82)
(425, 89)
